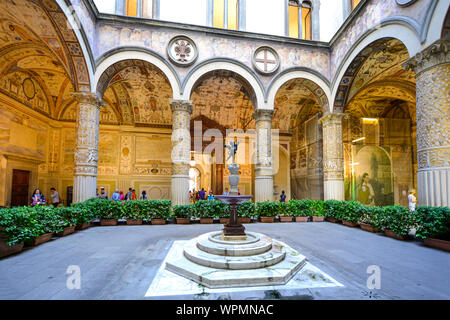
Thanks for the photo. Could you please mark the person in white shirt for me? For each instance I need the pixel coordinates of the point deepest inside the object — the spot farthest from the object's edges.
(412, 200)
(55, 197)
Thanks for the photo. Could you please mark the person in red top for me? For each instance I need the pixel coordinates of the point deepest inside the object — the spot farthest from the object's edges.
(133, 194)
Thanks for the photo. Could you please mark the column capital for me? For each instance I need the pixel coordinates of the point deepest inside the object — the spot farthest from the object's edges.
(437, 53)
(263, 114)
(181, 105)
(88, 98)
(329, 118)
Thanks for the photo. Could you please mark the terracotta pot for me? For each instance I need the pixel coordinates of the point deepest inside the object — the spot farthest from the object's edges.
(301, 219)
(183, 220)
(83, 226)
(267, 219)
(318, 218)
(244, 220)
(333, 220)
(158, 221)
(134, 222)
(391, 234)
(41, 239)
(6, 250)
(224, 220)
(349, 223)
(206, 220)
(66, 231)
(108, 222)
(368, 227)
(437, 244)
(286, 218)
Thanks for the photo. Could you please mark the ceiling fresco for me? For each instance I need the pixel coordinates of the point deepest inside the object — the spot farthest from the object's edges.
(225, 99)
(296, 101)
(41, 62)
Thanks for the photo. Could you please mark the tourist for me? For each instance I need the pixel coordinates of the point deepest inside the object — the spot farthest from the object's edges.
(116, 195)
(122, 196)
(55, 197)
(37, 198)
(211, 195)
(96, 193)
(202, 194)
(133, 194)
(412, 200)
(196, 196)
(129, 195)
(226, 193)
(282, 196)
(103, 194)
(143, 195)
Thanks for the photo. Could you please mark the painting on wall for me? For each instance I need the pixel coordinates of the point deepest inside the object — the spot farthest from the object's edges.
(371, 176)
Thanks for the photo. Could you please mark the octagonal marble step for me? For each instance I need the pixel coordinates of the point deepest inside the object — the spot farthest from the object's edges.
(266, 259)
(256, 244)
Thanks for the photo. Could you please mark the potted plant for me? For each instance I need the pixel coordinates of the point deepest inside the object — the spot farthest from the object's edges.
(334, 210)
(245, 211)
(224, 213)
(369, 218)
(133, 211)
(267, 210)
(83, 215)
(160, 211)
(43, 226)
(396, 222)
(183, 213)
(301, 209)
(15, 227)
(109, 211)
(433, 226)
(284, 212)
(351, 213)
(318, 211)
(207, 210)
(65, 220)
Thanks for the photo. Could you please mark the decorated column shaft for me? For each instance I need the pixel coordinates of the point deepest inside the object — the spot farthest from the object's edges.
(181, 150)
(333, 156)
(263, 157)
(432, 68)
(86, 148)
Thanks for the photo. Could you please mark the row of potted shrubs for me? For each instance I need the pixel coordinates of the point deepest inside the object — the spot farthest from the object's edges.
(34, 225)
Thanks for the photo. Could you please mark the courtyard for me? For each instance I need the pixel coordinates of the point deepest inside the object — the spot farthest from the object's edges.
(121, 262)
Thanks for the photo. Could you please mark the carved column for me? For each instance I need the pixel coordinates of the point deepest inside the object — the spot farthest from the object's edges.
(432, 67)
(181, 150)
(86, 149)
(263, 157)
(333, 156)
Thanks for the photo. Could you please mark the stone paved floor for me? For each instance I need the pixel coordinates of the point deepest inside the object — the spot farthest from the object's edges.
(120, 263)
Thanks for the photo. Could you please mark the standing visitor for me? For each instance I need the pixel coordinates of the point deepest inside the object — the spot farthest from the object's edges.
(55, 197)
(226, 193)
(122, 196)
(412, 200)
(196, 196)
(143, 195)
(282, 196)
(103, 193)
(96, 193)
(129, 195)
(211, 195)
(37, 198)
(133, 195)
(116, 195)
(202, 194)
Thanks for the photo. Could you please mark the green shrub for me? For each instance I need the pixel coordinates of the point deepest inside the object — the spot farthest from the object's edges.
(47, 219)
(157, 209)
(334, 209)
(397, 219)
(18, 225)
(210, 209)
(246, 209)
(183, 211)
(432, 222)
(318, 208)
(132, 209)
(66, 216)
(83, 213)
(370, 215)
(351, 211)
(301, 208)
(267, 209)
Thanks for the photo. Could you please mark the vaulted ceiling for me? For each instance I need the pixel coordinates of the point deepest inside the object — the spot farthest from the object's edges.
(41, 61)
